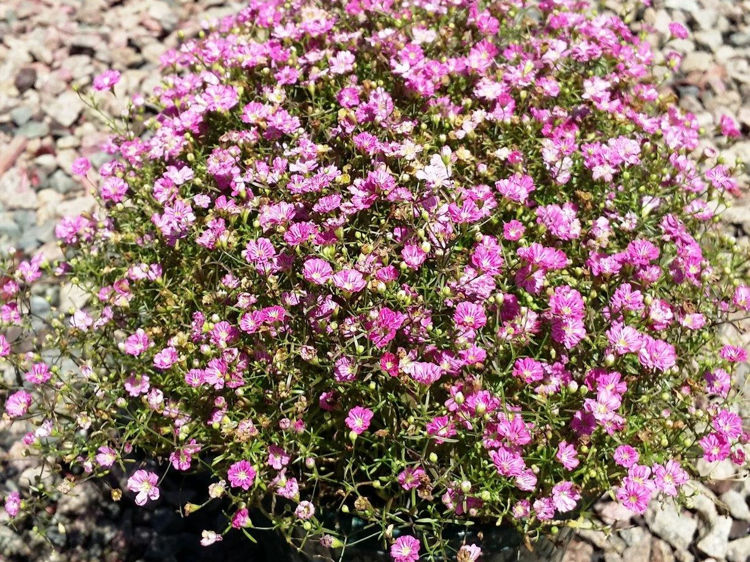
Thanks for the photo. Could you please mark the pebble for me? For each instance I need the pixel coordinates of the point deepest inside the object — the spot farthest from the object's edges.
(675, 528)
(739, 550)
(716, 542)
(736, 505)
(21, 115)
(33, 129)
(699, 61)
(25, 79)
(660, 551)
(65, 108)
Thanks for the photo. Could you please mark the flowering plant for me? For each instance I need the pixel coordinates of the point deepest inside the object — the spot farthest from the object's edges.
(430, 262)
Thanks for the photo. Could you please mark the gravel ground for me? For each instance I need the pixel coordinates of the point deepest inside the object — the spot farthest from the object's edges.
(46, 46)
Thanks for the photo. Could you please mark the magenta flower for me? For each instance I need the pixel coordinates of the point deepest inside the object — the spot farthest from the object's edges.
(80, 166)
(567, 455)
(507, 462)
(18, 404)
(317, 271)
(145, 484)
(634, 496)
(106, 80)
(678, 30)
(358, 419)
(669, 477)
(241, 474)
(405, 549)
(13, 504)
(106, 456)
(413, 256)
(304, 510)
(469, 316)
(626, 456)
(423, 372)
(137, 343)
(349, 280)
(733, 354)
(38, 374)
(165, 358)
(565, 496)
(728, 424)
(113, 189)
(411, 477)
(715, 447)
(241, 518)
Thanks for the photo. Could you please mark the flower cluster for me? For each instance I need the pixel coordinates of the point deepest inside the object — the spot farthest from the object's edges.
(434, 262)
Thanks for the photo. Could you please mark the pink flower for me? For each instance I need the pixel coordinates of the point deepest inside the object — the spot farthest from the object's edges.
(528, 370)
(513, 230)
(4, 346)
(38, 374)
(411, 477)
(317, 271)
(106, 80)
(516, 188)
(144, 483)
(106, 456)
(678, 30)
(304, 510)
(13, 503)
(669, 477)
(634, 496)
(729, 127)
(137, 343)
(469, 316)
(349, 280)
(358, 419)
(80, 166)
(241, 474)
(165, 358)
(507, 462)
(422, 372)
(741, 298)
(565, 496)
(413, 256)
(344, 370)
(544, 509)
(441, 427)
(405, 549)
(626, 456)
(384, 328)
(733, 354)
(718, 382)
(567, 455)
(468, 553)
(113, 189)
(241, 518)
(728, 424)
(277, 457)
(657, 354)
(18, 404)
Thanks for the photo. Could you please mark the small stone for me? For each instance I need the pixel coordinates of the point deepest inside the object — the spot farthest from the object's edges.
(740, 39)
(709, 38)
(613, 512)
(699, 61)
(736, 505)
(34, 130)
(639, 545)
(716, 541)
(70, 141)
(15, 190)
(39, 305)
(64, 108)
(61, 182)
(675, 528)
(682, 5)
(45, 162)
(25, 79)
(8, 227)
(739, 550)
(21, 115)
(578, 551)
(705, 18)
(660, 551)
(72, 296)
(603, 541)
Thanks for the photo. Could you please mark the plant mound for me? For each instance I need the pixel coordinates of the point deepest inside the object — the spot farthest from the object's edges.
(427, 263)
